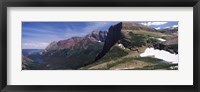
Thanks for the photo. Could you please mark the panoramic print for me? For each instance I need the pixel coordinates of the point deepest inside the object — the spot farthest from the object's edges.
(116, 45)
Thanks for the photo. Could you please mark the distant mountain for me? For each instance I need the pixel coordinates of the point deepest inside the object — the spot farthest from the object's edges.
(27, 52)
(99, 36)
(74, 52)
(170, 30)
(76, 42)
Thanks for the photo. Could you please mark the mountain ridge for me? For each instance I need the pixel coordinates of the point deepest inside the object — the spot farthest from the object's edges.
(115, 34)
(77, 41)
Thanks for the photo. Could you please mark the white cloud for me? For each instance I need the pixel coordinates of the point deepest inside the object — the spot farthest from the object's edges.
(175, 26)
(153, 23)
(167, 27)
(171, 26)
(35, 45)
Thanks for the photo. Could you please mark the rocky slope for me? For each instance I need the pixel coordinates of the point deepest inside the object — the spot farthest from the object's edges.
(99, 36)
(171, 30)
(28, 64)
(94, 36)
(74, 52)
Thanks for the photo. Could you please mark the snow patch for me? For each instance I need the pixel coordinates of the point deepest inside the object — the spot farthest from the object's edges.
(121, 46)
(160, 39)
(160, 54)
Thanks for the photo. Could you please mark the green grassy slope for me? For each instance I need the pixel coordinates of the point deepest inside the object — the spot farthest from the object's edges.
(135, 42)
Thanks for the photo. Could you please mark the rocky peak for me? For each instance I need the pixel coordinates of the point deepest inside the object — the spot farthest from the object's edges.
(52, 46)
(77, 41)
(97, 36)
(114, 34)
(68, 43)
(96, 32)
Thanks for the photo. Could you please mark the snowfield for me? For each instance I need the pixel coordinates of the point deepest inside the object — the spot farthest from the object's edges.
(160, 54)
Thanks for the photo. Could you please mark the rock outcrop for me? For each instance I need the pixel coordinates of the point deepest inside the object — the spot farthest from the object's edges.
(97, 36)
(115, 34)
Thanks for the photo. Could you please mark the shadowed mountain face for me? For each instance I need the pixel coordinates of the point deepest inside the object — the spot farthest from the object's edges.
(114, 34)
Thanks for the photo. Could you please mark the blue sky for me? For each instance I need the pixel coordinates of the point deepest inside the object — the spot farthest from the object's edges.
(37, 35)
(160, 25)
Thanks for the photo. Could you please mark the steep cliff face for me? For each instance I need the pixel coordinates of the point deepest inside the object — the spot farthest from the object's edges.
(117, 32)
(114, 34)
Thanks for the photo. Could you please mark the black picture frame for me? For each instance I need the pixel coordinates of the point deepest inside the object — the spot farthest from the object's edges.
(98, 3)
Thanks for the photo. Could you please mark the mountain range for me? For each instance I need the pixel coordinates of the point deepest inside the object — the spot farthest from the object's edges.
(103, 50)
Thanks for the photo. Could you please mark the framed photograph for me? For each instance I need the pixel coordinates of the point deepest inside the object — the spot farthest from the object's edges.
(85, 45)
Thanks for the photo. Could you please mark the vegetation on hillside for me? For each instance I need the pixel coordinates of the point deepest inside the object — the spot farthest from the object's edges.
(123, 59)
